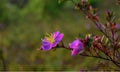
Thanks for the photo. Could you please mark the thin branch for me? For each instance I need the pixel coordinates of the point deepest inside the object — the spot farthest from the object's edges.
(95, 56)
(97, 23)
(86, 54)
(91, 18)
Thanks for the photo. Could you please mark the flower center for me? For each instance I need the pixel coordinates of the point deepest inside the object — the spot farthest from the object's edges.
(50, 38)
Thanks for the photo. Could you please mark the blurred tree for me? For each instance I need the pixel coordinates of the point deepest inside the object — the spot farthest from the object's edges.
(19, 3)
(3, 11)
(40, 9)
(53, 7)
(8, 13)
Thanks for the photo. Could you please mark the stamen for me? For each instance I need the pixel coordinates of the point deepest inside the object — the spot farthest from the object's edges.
(50, 38)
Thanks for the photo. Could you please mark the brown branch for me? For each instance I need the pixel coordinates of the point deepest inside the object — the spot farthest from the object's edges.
(95, 56)
(98, 24)
(101, 29)
(62, 46)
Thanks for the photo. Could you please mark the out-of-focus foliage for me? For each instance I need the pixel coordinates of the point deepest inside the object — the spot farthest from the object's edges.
(19, 3)
(3, 11)
(27, 21)
(94, 2)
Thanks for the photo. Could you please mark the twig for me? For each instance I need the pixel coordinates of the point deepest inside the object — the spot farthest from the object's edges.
(88, 55)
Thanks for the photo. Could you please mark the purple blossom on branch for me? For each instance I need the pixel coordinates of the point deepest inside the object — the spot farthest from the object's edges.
(77, 47)
(51, 40)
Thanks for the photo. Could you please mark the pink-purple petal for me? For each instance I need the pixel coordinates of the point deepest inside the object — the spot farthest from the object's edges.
(46, 47)
(55, 44)
(45, 42)
(76, 51)
(59, 37)
(55, 34)
(77, 46)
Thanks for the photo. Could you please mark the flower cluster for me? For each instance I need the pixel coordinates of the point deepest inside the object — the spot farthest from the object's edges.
(52, 40)
(106, 47)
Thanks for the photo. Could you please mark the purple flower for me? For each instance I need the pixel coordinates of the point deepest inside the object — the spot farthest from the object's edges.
(51, 40)
(77, 47)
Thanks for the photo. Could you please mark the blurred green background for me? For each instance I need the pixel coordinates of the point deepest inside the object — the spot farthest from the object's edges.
(24, 22)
